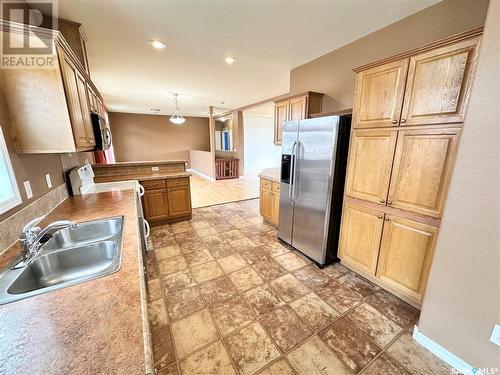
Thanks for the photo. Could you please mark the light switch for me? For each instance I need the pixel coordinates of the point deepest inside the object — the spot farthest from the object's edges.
(49, 182)
(27, 188)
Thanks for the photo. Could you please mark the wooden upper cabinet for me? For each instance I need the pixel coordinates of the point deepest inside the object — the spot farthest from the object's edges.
(298, 108)
(406, 252)
(71, 87)
(280, 116)
(439, 83)
(422, 170)
(179, 201)
(379, 95)
(369, 164)
(360, 236)
(85, 108)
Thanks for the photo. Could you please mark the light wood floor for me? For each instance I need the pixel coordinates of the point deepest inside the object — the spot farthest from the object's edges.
(205, 192)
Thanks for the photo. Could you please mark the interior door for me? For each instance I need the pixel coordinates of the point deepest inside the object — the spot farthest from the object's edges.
(360, 235)
(438, 84)
(406, 252)
(369, 164)
(312, 190)
(288, 147)
(422, 170)
(379, 95)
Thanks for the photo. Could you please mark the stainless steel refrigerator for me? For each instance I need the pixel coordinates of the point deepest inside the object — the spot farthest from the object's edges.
(313, 165)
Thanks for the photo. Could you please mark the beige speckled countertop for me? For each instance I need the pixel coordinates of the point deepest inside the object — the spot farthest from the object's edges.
(141, 176)
(272, 174)
(91, 328)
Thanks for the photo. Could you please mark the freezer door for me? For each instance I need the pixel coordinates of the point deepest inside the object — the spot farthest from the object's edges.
(312, 191)
(288, 146)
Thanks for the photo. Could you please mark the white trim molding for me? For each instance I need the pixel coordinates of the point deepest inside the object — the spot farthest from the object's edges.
(190, 170)
(444, 354)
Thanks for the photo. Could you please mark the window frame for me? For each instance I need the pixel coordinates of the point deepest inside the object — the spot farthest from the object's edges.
(16, 200)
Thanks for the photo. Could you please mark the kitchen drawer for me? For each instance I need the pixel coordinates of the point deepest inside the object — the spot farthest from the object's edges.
(153, 184)
(276, 187)
(266, 184)
(178, 182)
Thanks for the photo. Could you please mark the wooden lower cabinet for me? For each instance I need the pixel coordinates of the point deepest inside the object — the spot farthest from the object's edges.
(360, 236)
(396, 251)
(166, 201)
(270, 200)
(405, 257)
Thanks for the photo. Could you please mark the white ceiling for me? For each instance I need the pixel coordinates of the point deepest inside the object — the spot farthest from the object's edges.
(268, 39)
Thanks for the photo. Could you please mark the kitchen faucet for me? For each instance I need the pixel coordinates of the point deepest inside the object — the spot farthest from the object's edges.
(32, 235)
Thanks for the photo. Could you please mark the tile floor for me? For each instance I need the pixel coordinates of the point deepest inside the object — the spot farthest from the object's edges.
(226, 297)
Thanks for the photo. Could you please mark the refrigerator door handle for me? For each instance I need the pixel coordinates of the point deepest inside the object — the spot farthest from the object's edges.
(295, 156)
(292, 177)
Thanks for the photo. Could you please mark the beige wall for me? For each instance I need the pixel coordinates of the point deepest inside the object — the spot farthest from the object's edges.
(33, 167)
(202, 162)
(153, 137)
(462, 302)
(332, 73)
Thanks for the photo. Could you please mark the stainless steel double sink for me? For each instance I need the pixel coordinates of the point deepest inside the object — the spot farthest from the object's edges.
(92, 250)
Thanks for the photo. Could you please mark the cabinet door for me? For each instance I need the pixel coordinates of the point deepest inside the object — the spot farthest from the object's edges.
(275, 207)
(179, 201)
(155, 205)
(360, 236)
(298, 108)
(422, 169)
(70, 78)
(280, 116)
(84, 105)
(369, 165)
(266, 204)
(406, 254)
(379, 95)
(438, 84)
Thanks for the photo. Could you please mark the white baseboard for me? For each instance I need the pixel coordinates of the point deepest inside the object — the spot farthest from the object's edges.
(200, 174)
(444, 354)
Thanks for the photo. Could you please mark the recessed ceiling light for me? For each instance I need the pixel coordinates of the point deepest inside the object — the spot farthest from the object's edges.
(222, 102)
(229, 60)
(157, 44)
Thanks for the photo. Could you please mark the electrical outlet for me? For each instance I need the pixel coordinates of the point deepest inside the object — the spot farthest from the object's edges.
(27, 187)
(49, 182)
(495, 335)
(87, 162)
(155, 169)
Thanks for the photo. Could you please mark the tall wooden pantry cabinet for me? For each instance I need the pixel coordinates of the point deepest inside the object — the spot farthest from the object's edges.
(407, 117)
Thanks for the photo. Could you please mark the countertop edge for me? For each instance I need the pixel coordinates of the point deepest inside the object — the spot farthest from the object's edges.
(272, 174)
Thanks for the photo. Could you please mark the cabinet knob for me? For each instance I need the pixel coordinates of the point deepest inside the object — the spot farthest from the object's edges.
(394, 121)
(403, 120)
(389, 203)
(386, 219)
(380, 217)
(382, 201)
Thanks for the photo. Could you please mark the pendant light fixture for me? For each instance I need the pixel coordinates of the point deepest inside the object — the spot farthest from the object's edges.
(177, 118)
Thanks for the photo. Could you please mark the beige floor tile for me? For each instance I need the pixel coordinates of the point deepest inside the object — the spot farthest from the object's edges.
(242, 244)
(280, 367)
(393, 307)
(274, 249)
(220, 250)
(170, 370)
(154, 289)
(183, 302)
(206, 271)
(187, 247)
(171, 265)
(290, 261)
(289, 288)
(232, 263)
(338, 296)
(196, 257)
(207, 231)
(262, 299)
(157, 313)
(335, 270)
(314, 311)
(217, 290)
(251, 349)
(357, 284)
(376, 325)
(231, 315)
(245, 279)
(269, 269)
(178, 280)
(232, 235)
(166, 252)
(255, 255)
(163, 347)
(311, 276)
(314, 358)
(285, 328)
(384, 364)
(193, 332)
(416, 358)
(211, 360)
